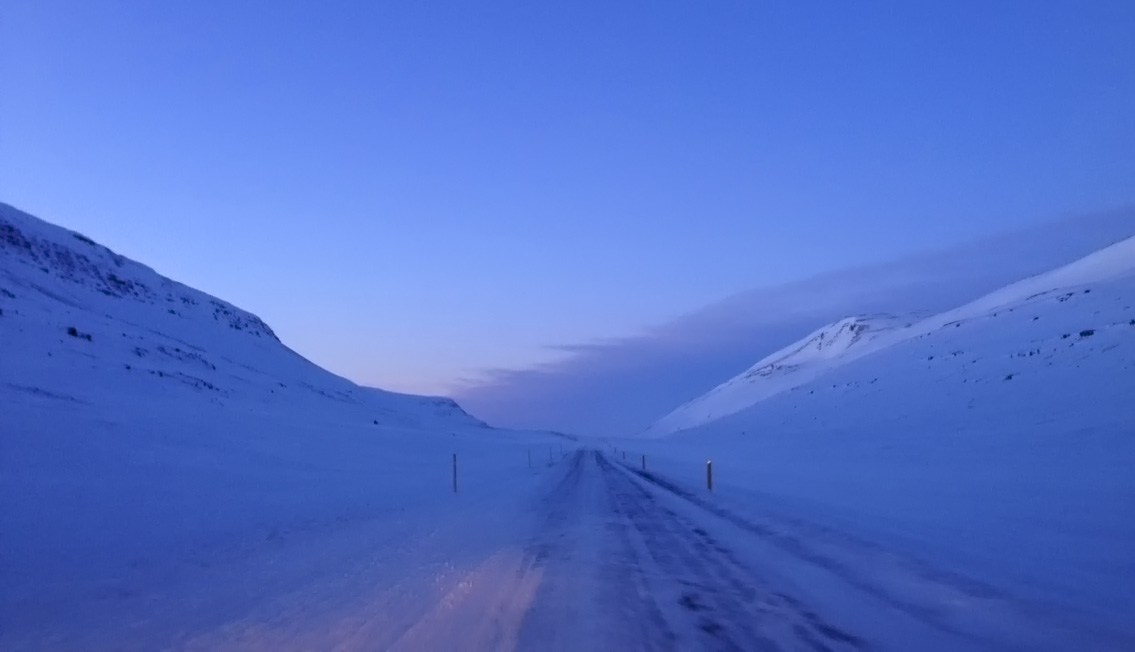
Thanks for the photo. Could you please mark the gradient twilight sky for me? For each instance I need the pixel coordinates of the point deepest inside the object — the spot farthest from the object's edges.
(410, 192)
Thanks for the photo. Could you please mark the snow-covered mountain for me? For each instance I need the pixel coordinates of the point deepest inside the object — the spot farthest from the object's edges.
(151, 434)
(81, 323)
(795, 364)
(852, 338)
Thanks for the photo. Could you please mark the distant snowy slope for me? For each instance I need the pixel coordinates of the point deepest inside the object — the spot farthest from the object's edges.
(852, 338)
(81, 322)
(795, 364)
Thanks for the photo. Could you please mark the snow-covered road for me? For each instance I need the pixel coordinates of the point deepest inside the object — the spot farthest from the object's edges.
(586, 553)
(625, 571)
(601, 563)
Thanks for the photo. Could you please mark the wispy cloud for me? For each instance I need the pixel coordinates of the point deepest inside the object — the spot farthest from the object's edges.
(620, 385)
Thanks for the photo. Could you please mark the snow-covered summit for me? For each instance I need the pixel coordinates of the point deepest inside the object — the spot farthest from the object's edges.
(77, 265)
(782, 370)
(81, 323)
(849, 339)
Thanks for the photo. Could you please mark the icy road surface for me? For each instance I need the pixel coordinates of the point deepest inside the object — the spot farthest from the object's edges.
(591, 554)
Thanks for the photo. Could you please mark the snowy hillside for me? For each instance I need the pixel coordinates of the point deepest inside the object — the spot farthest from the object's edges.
(794, 365)
(158, 445)
(854, 337)
(81, 323)
(996, 439)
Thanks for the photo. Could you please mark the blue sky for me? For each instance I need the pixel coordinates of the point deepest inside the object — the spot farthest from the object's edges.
(412, 192)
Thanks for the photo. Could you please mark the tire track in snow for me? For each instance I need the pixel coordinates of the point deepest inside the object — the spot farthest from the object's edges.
(715, 602)
(591, 598)
(948, 606)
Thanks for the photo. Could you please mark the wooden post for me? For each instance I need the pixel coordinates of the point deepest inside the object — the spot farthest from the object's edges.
(455, 473)
(624, 456)
(643, 462)
(709, 475)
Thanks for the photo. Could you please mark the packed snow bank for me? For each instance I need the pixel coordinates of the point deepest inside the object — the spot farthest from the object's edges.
(150, 433)
(996, 439)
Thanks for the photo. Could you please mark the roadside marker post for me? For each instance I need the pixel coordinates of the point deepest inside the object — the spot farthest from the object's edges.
(709, 475)
(643, 462)
(455, 473)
